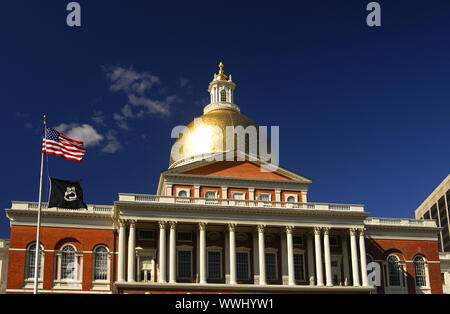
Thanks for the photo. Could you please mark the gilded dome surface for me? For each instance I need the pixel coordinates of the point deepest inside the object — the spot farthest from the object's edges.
(221, 128)
(207, 135)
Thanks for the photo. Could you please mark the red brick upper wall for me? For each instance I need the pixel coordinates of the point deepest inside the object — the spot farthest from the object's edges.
(239, 169)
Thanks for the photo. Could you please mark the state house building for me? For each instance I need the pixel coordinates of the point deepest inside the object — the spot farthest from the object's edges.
(221, 227)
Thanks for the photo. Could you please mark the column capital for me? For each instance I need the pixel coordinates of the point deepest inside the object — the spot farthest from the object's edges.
(326, 230)
(260, 228)
(162, 224)
(123, 223)
(288, 229)
(317, 230)
(231, 227)
(353, 231)
(361, 231)
(172, 224)
(202, 226)
(132, 223)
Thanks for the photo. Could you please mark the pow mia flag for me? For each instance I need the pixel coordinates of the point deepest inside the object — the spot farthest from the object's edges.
(66, 194)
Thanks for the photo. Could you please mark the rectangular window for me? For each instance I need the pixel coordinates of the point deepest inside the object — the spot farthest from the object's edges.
(146, 235)
(264, 197)
(210, 194)
(298, 240)
(299, 267)
(184, 236)
(184, 264)
(242, 266)
(214, 265)
(271, 266)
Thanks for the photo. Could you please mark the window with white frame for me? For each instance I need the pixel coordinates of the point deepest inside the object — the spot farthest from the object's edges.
(223, 95)
(299, 266)
(271, 266)
(242, 265)
(101, 263)
(68, 263)
(146, 265)
(394, 271)
(266, 197)
(184, 263)
(420, 271)
(214, 264)
(30, 261)
(210, 194)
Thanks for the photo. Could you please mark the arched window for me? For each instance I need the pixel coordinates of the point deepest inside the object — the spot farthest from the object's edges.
(101, 263)
(394, 270)
(223, 95)
(291, 199)
(68, 263)
(31, 260)
(420, 271)
(182, 193)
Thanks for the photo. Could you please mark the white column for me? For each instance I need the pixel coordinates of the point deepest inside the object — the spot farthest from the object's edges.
(121, 262)
(345, 261)
(232, 244)
(132, 252)
(290, 255)
(162, 252)
(326, 247)
(255, 257)
(202, 227)
(318, 249)
(251, 196)
(262, 255)
(362, 253)
(354, 255)
(172, 253)
(309, 248)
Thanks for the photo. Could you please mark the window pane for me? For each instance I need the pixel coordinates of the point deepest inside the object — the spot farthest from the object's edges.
(394, 271)
(271, 266)
(419, 271)
(214, 265)
(31, 260)
(242, 264)
(68, 263)
(184, 264)
(210, 194)
(101, 264)
(299, 272)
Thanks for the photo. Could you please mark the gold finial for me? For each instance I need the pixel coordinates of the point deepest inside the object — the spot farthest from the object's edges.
(221, 76)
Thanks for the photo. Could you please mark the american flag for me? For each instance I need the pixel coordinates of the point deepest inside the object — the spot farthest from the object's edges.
(58, 144)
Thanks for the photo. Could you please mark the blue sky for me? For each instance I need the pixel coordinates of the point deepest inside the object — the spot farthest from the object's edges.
(362, 111)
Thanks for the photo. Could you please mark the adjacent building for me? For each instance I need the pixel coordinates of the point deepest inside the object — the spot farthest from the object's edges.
(217, 225)
(436, 207)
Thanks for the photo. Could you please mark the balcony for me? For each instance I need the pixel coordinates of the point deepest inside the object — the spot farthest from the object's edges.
(400, 222)
(143, 198)
(31, 206)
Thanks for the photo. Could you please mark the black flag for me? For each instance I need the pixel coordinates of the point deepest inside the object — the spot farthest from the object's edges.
(66, 194)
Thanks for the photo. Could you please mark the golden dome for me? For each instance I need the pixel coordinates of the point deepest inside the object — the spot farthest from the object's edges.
(207, 134)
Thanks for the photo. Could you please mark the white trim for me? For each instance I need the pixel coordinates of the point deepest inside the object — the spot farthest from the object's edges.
(101, 284)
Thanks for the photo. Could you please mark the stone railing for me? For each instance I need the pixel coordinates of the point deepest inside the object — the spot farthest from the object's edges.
(400, 222)
(142, 198)
(98, 209)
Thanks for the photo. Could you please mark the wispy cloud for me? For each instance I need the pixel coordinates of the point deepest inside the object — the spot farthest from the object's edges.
(113, 145)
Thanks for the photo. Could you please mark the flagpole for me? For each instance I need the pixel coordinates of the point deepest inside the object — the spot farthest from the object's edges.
(38, 225)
